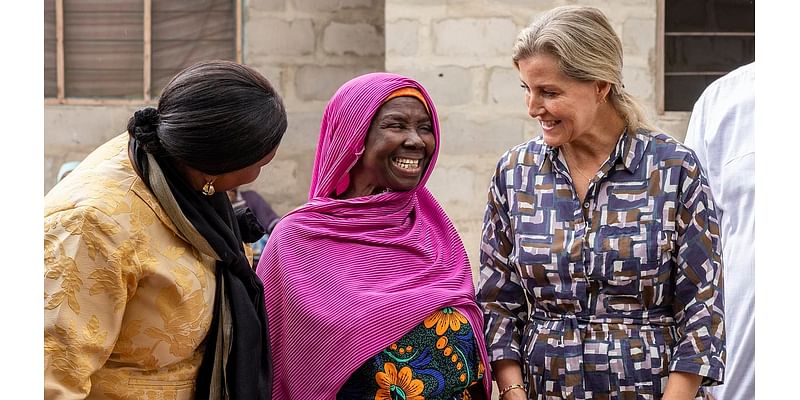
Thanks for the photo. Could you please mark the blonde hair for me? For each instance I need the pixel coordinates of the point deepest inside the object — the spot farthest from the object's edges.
(587, 48)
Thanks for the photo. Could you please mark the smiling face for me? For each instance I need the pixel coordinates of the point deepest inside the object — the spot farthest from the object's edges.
(566, 108)
(398, 149)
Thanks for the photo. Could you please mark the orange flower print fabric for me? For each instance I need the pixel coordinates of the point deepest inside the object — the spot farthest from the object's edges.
(436, 360)
(444, 319)
(393, 385)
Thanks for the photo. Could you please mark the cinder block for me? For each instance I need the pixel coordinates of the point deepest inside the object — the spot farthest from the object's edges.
(481, 37)
(639, 82)
(447, 85)
(402, 37)
(359, 39)
(273, 73)
(329, 5)
(638, 36)
(504, 88)
(302, 133)
(84, 127)
(484, 134)
(268, 5)
(452, 184)
(271, 36)
(320, 83)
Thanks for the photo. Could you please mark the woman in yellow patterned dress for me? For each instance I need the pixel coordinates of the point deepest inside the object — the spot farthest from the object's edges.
(149, 292)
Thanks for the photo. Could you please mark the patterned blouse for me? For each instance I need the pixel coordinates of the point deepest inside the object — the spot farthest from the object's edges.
(603, 298)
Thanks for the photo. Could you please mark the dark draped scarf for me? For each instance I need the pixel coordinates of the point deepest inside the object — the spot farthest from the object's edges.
(236, 362)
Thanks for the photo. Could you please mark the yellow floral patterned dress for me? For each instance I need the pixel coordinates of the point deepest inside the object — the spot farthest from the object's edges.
(127, 302)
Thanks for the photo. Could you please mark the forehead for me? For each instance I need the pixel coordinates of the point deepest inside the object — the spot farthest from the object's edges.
(403, 105)
(541, 67)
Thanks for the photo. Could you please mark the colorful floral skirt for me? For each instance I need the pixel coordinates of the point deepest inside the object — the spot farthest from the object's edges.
(437, 360)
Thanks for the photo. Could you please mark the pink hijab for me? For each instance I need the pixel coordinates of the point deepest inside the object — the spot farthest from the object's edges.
(343, 279)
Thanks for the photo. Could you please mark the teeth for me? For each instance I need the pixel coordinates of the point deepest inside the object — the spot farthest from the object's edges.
(406, 163)
(548, 124)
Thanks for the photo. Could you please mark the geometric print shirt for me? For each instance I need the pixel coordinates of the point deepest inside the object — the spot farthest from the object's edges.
(603, 297)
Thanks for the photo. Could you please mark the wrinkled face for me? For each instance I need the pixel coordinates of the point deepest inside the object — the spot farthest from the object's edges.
(566, 108)
(233, 179)
(399, 146)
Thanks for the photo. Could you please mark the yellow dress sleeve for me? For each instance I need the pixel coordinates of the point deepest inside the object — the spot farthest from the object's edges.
(84, 298)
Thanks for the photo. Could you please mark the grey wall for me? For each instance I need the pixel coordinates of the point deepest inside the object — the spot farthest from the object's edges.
(459, 49)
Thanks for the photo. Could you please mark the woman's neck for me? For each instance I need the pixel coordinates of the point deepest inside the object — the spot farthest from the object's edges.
(360, 191)
(594, 147)
(194, 177)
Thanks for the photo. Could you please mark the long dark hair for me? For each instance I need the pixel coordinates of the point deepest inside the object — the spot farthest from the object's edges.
(214, 116)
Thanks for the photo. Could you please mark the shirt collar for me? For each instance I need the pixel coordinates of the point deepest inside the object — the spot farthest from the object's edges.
(629, 150)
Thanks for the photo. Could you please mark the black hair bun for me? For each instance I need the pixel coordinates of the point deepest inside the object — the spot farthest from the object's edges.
(144, 128)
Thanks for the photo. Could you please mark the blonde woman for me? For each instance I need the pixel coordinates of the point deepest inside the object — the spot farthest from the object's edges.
(601, 275)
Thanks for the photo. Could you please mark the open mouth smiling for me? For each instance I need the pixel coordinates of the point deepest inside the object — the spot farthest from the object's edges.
(407, 164)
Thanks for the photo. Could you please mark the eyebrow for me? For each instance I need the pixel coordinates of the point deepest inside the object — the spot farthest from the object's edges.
(401, 116)
(394, 114)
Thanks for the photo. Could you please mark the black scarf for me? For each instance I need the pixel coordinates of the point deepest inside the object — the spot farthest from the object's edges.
(246, 372)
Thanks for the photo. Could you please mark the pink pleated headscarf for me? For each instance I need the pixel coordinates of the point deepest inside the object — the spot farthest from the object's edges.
(343, 279)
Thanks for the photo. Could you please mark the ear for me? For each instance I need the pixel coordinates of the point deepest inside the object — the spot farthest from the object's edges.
(196, 178)
(602, 89)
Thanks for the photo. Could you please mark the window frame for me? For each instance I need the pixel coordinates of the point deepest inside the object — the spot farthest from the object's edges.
(147, 70)
(661, 74)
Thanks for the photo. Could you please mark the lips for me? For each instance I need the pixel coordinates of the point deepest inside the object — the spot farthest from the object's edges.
(405, 163)
(547, 125)
(411, 167)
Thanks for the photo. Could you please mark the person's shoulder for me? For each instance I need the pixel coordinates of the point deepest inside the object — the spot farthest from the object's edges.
(82, 220)
(740, 80)
(103, 180)
(743, 73)
(664, 146)
(658, 137)
(296, 218)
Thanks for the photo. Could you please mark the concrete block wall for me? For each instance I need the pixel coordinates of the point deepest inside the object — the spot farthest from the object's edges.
(72, 132)
(306, 48)
(460, 50)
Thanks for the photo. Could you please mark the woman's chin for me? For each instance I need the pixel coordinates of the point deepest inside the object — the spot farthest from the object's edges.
(553, 140)
(404, 185)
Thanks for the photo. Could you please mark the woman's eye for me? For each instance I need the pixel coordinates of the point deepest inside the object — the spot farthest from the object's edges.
(546, 93)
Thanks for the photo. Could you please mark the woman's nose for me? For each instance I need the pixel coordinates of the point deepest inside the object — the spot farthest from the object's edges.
(535, 107)
(413, 139)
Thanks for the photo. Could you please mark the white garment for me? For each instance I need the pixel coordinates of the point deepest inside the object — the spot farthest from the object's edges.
(722, 133)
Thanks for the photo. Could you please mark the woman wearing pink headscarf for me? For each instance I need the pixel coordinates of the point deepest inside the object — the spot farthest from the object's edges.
(368, 288)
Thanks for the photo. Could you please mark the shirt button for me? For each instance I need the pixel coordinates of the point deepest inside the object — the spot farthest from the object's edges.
(586, 205)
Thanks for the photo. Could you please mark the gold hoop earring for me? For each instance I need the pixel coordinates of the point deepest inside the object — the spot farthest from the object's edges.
(208, 188)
